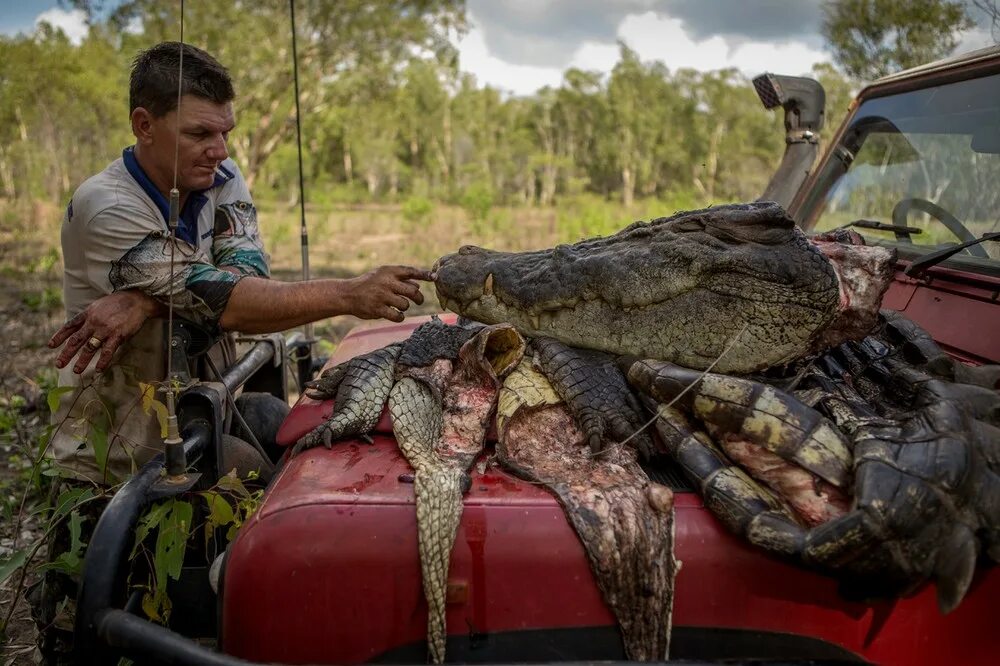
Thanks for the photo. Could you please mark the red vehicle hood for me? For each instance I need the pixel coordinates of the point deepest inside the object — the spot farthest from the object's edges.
(326, 571)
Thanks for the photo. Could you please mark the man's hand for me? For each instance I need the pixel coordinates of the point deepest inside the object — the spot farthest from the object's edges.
(385, 292)
(103, 326)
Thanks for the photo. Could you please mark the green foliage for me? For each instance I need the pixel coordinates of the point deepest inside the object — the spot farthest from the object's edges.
(170, 521)
(417, 210)
(10, 564)
(10, 409)
(170, 526)
(476, 201)
(71, 561)
(229, 506)
(872, 38)
(388, 117)
(49, 298)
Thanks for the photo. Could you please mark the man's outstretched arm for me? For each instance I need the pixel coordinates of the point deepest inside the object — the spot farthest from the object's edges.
(268, 306)
(256, 305)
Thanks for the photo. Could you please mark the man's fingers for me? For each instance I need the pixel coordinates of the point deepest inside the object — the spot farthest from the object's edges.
(411, 273)
(107, 352)
(398, 302)
(83, 360)
(411, 290)
(73, 344)
(67, 329)
(391, 314)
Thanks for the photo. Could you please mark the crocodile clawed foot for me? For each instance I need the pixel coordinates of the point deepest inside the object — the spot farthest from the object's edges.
(597, 394)
(361, 388)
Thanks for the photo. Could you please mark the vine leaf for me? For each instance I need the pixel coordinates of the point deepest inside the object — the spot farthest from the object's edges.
(97, 435)
(10, 564)
(151, 404)
(54, 395)
(172, 522)
(70, 562)
(220, 513)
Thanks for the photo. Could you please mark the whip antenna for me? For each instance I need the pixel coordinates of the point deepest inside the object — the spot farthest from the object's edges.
(302, 187)
(173, 445)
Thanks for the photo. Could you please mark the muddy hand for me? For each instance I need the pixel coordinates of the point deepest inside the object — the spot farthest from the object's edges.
(102, 327)
(386, 292)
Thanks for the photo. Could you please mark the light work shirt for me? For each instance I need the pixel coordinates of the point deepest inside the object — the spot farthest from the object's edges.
(114, 238)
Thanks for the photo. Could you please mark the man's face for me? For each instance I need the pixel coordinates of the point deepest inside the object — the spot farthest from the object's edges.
(204, 129)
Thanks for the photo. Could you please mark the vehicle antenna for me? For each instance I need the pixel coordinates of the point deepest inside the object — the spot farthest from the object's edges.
(308, 329)
(173, 445)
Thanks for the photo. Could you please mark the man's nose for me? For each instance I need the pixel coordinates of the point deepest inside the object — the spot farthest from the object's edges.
(218, 151)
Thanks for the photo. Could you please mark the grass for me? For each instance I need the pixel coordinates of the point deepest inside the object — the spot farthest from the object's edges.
(354, 239)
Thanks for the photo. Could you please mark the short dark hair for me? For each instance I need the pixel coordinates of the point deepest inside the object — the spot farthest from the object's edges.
(153, 83)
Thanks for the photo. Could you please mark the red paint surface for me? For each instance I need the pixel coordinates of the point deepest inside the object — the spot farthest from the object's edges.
(327, 570)
(958, 309)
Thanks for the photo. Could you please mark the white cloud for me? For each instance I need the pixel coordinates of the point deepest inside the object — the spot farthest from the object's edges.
(657, 37)
(653, 36)
(73, 22)
(475, 58)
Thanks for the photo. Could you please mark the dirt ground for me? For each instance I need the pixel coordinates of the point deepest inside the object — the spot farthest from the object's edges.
(30, 309)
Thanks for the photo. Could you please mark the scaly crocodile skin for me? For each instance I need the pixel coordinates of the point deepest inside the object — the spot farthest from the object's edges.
(440, 415)
(417, 423)
(362, 386)
(596, 392)
(624, 521)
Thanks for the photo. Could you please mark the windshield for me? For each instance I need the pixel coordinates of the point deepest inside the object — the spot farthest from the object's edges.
(927, 161)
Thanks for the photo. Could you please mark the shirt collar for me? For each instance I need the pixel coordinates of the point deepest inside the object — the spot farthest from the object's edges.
(222, 176)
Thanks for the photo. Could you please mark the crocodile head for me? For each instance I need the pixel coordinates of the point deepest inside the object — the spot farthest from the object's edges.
(738, 281)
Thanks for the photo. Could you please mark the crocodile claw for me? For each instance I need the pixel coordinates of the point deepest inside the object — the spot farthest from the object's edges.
(361, 388)
(596, 392)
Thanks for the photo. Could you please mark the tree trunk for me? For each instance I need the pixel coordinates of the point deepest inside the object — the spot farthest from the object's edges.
(548, 192)
(371, 179)
(448, 151)
(712, 163)
(7, 179)
(393, 181)
(348, 164)
(628, 186)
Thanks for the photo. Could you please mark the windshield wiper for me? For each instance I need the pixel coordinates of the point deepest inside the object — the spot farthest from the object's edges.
(882, 226)
(923, 263)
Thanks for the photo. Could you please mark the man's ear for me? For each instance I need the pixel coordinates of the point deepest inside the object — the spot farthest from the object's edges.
(142, 125)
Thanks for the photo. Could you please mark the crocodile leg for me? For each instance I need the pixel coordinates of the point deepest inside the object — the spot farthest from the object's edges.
(926, 493)
(624, 521)
(361, 387)
(759, 413)
(596, 392)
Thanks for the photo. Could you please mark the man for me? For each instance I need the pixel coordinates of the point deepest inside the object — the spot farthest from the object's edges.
(117, 256)
(122, 269)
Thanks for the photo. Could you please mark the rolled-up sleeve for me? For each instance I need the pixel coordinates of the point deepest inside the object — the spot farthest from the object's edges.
(133, 251)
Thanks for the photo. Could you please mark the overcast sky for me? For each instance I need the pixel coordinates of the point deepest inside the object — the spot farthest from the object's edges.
(522, 45)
